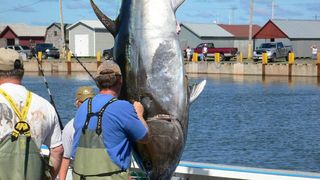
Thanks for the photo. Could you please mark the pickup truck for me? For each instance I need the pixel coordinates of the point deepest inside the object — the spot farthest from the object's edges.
(273, 49)
(47, 49)
(225, 53)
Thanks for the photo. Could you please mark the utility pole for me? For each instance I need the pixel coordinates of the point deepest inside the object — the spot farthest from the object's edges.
(272, 8)
(62, 30)
(231, 16)
(250, 31)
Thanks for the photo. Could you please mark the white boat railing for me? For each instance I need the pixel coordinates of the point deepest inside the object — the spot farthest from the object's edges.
(205, 171)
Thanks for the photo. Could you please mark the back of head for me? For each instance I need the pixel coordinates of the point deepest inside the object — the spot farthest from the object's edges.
(84, 92)
(108, 74)
(11, 64)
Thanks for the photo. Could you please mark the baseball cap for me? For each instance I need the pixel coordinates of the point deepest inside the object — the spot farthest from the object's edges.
(109, 68)
(84, 92)
(8, 58)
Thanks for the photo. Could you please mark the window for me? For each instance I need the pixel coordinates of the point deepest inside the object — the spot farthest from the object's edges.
(10, 42)
(25, 47)
(55, 33)
(280, 45)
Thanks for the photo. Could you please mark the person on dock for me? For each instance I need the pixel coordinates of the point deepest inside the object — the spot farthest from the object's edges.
(26, 122)
(314, 50)
(188, 53)
(204, 52)
(106, 129)
(83, 93)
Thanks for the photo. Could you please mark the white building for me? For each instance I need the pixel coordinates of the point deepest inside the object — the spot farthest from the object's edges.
(87, 37)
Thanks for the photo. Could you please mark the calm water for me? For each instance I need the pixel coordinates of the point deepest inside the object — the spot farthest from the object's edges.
(237, 120)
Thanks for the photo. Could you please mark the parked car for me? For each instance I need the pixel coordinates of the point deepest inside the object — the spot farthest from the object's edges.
(107, 53)
(273, 49)
(226, 53)
(47, 49)
(22, 49)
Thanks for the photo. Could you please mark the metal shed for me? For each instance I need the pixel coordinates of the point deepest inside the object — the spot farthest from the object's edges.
(87, 37)
(192, 34)
(301, 34)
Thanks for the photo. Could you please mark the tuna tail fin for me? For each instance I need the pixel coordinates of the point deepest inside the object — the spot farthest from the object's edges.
(196, 89)
(106, 21)
(176, 4)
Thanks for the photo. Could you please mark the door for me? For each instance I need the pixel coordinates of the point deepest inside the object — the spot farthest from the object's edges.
(81, 45)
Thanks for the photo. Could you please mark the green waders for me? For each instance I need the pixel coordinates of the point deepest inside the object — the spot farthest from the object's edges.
(20, 157)
(91, 161)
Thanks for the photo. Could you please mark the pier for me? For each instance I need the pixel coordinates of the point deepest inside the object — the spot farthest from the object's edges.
(306, 68)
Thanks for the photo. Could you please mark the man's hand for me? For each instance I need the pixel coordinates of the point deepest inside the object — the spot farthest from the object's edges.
(139, 108)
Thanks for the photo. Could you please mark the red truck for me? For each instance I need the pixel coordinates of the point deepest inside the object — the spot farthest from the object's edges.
(225, 53)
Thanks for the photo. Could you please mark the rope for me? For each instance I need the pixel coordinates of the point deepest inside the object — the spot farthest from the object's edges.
(49, 92)
(83, 67)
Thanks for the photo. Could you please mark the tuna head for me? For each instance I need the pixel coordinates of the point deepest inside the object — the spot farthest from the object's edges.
(148, 52)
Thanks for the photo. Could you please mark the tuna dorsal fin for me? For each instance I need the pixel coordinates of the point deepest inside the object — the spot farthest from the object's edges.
(106, 21)
(196, 89)
(176, 4)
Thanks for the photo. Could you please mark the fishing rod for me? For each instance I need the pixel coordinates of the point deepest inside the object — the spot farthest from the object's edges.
(49, 92)
(83, 67)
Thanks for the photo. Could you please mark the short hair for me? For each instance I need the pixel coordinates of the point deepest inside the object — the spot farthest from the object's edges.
(17, 72)
(107, 81)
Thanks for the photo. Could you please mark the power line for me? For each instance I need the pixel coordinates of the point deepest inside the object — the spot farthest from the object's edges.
(20, 7)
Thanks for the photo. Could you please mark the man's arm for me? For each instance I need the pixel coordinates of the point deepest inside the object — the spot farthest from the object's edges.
(67, 138)
(55, 159)
(140, 110)
(64, 168)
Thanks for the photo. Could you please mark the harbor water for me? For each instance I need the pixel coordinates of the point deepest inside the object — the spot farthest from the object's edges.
(270, 122)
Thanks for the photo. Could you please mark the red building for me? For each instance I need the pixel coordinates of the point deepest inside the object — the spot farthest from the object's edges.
(300, 34)
(23, 35)
(240, 31)
(241, 35)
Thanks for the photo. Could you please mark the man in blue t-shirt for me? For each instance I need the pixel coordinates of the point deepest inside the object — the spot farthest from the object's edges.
(122, 123)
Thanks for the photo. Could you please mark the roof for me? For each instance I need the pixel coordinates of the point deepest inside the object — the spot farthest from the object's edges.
(240, 31)
(207, 30)
(93, 24)
(296, 29)
(23, 30)
(59, 25)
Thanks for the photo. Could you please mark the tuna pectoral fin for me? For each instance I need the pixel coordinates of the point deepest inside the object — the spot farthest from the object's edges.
(107, 22)
(176, 4)
(196, 89)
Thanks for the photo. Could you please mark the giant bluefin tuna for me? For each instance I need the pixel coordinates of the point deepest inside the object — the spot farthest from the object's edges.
(148, 51)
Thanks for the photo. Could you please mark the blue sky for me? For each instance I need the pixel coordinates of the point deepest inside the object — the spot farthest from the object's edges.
(45, 12)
